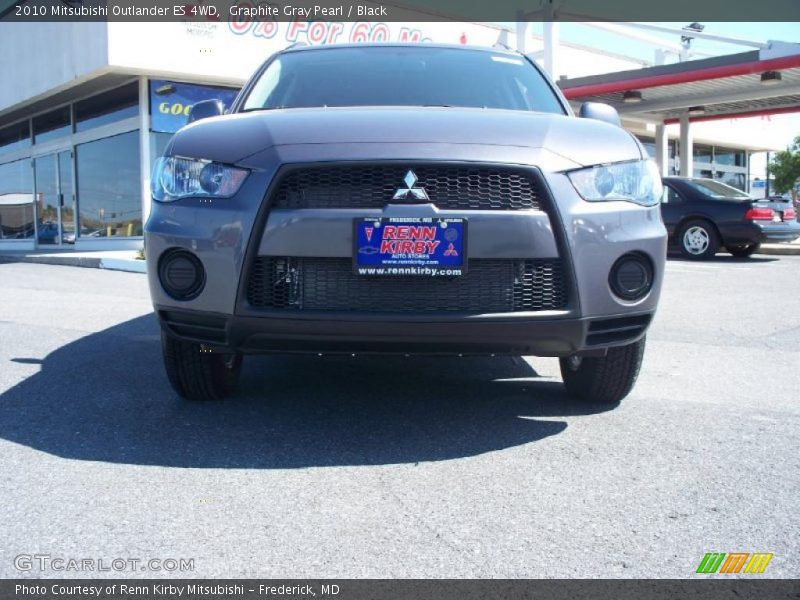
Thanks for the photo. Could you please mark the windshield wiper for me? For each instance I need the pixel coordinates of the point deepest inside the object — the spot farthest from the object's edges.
(451, 106)
(258, 108)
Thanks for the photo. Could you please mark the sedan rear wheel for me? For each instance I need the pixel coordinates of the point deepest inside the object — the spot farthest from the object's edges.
(744, 251)
(698, 240)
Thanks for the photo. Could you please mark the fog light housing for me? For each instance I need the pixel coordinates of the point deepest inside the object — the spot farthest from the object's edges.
(181, 274)
(631, 277)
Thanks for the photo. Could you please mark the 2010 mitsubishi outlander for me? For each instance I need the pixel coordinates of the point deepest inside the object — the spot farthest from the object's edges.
(412, 199)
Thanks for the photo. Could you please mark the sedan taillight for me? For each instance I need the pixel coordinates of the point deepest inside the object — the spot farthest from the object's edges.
(789, 214)
(759, 214)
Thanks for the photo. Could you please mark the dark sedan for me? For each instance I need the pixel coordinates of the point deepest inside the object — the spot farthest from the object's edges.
(701, 215)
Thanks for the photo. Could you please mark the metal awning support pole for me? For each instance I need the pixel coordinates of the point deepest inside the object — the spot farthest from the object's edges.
(687, 146)
(662, 149)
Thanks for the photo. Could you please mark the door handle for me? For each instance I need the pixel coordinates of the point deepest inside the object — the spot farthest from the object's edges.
(61, 199)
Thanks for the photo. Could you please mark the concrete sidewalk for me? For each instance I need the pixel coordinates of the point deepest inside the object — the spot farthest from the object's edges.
(117, 260)
(792, 248)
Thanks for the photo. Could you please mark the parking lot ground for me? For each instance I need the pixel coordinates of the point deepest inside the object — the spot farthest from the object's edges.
(401, 467)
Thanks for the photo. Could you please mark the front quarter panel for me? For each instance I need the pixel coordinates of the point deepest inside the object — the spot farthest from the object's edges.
(217, 231)
(597, 234)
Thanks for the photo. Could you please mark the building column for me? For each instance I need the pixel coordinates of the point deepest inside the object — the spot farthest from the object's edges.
(550, 40)
(686, 147)
(144, 145)
(522, 30)
(662, 149)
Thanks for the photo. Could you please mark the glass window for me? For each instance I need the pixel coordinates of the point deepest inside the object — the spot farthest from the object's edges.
(702, 154)
(108, 107)
(16, 200)
(68, 194)
(716, 189)
(171, 102)
(673, 148)
(674, 166)
(109, 188)
(51, 125)
(15, 137)
(728, 156)
(649, 145)
(402, 76)
(736, 180)
(158, 143)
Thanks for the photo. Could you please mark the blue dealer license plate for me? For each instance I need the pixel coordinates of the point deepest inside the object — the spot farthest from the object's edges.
(423, 246)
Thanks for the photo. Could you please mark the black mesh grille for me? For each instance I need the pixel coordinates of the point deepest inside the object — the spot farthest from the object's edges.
(373, 186)
(330, 284)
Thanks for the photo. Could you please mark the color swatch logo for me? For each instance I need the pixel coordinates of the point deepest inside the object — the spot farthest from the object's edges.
(734, 562)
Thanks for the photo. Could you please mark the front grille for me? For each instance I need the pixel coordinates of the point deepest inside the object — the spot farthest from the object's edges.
(374, 186)
(329, 284)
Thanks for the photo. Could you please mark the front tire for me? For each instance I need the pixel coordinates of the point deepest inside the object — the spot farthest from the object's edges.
(195, 373)
(603, 379)
(744, 251)
(698, 240)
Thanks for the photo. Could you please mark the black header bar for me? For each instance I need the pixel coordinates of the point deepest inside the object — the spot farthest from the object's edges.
(406, 589)
(498, 11)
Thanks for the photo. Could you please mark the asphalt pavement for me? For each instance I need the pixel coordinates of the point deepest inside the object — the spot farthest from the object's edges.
(399, 467)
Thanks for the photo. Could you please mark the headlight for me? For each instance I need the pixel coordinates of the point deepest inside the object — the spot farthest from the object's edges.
(174, 178)
(637, 181)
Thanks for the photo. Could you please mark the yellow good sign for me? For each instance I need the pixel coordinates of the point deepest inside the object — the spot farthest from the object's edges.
(175, 109)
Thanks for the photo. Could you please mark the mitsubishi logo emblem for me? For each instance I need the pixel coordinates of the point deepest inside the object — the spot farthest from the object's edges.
(416, 193)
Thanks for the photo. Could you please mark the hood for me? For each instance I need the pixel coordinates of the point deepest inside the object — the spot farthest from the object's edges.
(232, 138)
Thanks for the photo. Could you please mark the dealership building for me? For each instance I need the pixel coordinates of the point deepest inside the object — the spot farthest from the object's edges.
(86, 107)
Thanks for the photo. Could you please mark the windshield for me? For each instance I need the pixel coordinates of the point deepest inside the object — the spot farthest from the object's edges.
(402, 76)
(717, 189)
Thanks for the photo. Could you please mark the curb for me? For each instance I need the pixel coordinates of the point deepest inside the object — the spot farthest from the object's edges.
(130, 265)
(791, 249)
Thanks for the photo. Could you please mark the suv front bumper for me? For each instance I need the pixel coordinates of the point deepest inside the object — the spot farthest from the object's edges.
(520, 334)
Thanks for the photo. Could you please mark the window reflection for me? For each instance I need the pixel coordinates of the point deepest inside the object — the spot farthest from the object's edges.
(16, 200)
(158, 143)
(15, 137)
(702, 154)
(728, 156)
(109, 192)
(46, 178)
(109, 107)
(52, 125)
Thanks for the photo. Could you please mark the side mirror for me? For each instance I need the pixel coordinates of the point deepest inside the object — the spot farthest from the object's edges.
(601, 112)
(205, 109)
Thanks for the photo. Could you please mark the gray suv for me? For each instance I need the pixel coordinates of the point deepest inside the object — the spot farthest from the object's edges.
(413, 199)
